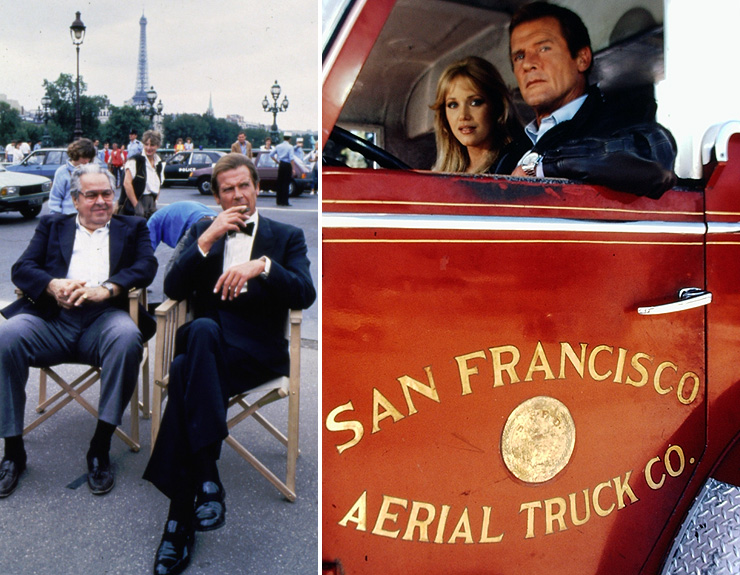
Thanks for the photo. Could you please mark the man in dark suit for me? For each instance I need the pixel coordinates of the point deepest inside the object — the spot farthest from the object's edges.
(241, 287)
(75, 276)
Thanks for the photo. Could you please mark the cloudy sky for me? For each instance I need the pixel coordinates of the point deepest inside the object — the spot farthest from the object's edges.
(232, 49)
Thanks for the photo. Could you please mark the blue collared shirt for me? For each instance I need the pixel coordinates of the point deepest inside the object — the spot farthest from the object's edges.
(557, 117)
(135, 147)
(283, 152)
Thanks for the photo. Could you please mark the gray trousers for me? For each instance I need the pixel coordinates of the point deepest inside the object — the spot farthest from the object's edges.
(101, 336)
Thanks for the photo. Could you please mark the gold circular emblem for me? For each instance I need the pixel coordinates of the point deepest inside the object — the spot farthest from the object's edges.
(538, 439)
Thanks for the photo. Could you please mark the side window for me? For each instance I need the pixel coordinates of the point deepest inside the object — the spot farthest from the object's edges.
(201, 159)
(337, 154)
(179, 159)
(35, 159)
(55, 157)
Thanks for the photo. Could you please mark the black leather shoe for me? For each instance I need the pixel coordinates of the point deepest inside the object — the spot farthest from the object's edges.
(100, 477)
(210, 507)
(173, 553)
(10, 472)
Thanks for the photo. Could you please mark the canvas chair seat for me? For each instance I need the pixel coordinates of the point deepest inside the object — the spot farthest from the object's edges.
(72, 390)
(170, 316)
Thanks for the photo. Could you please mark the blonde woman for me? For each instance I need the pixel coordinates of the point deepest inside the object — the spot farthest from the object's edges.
(475, 124)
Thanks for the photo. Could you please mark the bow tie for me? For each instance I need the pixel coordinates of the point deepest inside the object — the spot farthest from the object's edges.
(248, 229)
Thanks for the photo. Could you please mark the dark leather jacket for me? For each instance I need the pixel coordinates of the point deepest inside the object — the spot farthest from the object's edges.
(610, 142)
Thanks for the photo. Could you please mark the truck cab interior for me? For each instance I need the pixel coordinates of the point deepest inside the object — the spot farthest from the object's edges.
(388, 105)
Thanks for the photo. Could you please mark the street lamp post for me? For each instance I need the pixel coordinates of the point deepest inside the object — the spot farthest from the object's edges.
(77, 32)
(274, 109)
(149, 109)
(46, 103)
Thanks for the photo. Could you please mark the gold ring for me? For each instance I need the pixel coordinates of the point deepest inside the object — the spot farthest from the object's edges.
(84, 296)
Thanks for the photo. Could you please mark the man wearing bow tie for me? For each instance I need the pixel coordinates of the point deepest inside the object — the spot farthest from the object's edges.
(242, 273)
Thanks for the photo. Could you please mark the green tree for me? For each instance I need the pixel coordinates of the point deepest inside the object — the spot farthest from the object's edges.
(184, 126)
(10, 122)
(120, 122)
(257, 136)
(63, 95)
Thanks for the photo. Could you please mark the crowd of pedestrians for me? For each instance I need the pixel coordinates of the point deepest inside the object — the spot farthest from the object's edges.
(16, 150)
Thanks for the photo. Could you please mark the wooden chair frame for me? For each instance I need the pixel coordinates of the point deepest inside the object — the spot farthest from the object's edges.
(73, 390)
(170, 316)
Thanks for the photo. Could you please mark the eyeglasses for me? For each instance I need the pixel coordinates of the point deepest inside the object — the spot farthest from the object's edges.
(93, 194)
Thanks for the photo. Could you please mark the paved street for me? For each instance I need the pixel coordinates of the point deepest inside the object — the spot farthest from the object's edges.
(52, 524)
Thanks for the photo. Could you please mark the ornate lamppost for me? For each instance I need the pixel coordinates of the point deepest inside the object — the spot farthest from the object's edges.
(274, 109)
(46, 139)
(148, 107)
(77, 31)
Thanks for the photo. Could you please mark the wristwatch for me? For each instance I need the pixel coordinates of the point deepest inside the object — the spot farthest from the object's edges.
(109, 286)
(530, 162)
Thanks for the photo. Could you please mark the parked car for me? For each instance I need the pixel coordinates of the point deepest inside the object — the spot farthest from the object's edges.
(523, 375)
(23, 193)
(267, 170)
(43, 162)
(181, 165)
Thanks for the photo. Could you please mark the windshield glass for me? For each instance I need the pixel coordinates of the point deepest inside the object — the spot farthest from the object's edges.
(331, 14)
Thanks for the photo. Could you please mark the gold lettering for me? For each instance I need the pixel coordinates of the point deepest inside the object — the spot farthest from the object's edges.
(649, 474)
(422, 524)
(658, 372)
(354, 426)
(620, 365)
(635, 363)
(574, 512)
(674, 472)
(466, 371)
(379, 400)
(484, 537)
(357, 514)
(428, 391)
(592, 363)
(530, 507)
(694, 391)
(600, 511)
(566, 350)
(385, 515)
(462, 529)
(552, 516)
(621, 490)
(439, 537)
(499, 366)
(539, 363)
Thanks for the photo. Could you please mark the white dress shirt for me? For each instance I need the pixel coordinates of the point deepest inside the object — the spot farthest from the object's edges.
(90, 261)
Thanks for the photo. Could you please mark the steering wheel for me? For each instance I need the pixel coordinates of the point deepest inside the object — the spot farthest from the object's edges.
(341, 138)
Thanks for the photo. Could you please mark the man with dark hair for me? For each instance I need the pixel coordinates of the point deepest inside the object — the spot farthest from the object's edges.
(578, 133)
(242, 145)
(75, 276)
(242, 273)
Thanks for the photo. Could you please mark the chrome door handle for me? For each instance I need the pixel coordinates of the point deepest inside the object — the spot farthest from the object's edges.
(688, 298)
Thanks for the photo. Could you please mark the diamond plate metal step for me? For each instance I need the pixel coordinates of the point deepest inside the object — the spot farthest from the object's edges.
(709, 540)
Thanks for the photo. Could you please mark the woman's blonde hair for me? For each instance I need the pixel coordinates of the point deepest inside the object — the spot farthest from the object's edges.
(452, 156)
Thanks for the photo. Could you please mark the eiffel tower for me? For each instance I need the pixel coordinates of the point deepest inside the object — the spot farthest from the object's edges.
(142, 76)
